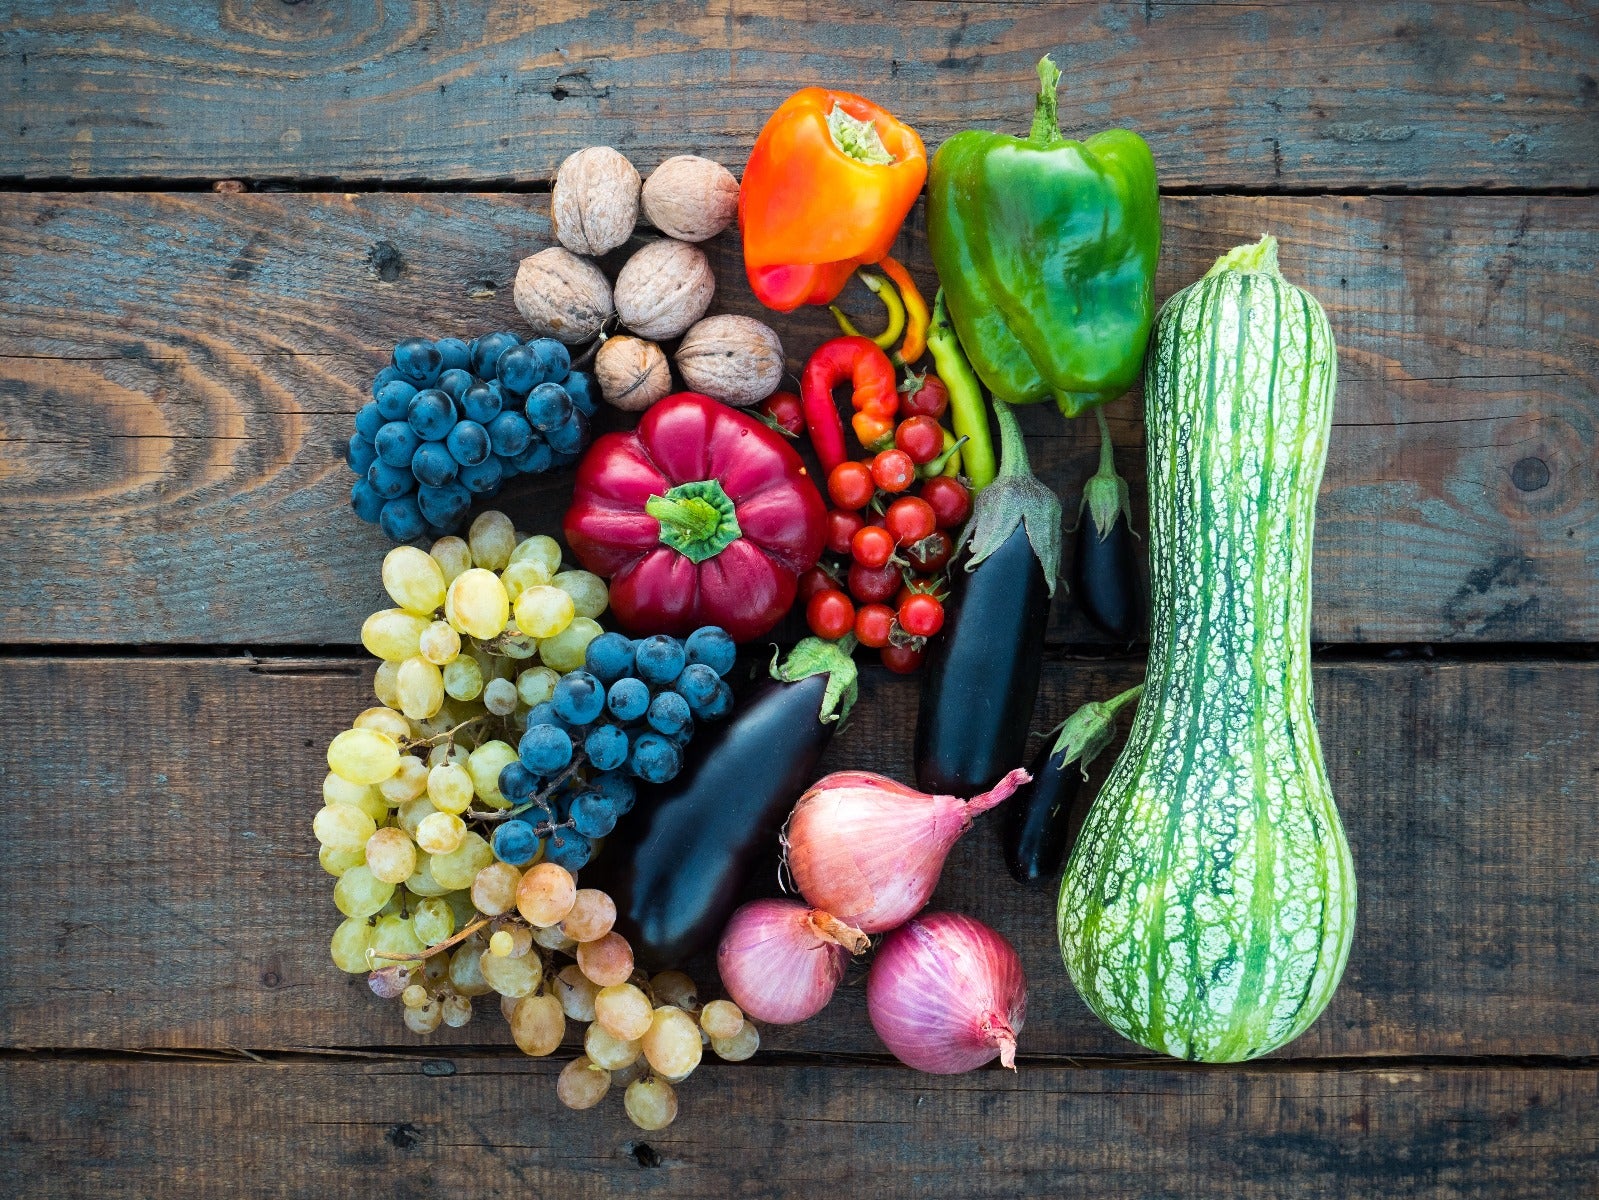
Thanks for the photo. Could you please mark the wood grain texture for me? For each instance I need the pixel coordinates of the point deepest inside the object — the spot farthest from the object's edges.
(178, 374)
(1251, 95)
(163, 864)
(414, 1129)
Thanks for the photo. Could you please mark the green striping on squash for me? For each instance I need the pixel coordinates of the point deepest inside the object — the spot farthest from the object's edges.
(1209, 902)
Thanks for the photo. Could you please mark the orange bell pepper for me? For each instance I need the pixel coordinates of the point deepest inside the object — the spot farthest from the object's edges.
(825, 191)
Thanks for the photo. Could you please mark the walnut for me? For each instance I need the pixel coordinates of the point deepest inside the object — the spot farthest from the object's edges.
(690, 198)
(736, 360)
(595, 202)
(562, 296)
(632, 372)
(664, 288)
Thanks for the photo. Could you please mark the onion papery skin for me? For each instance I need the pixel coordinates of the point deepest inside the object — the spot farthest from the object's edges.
(947, 994)
(781, 960)
(869, 849)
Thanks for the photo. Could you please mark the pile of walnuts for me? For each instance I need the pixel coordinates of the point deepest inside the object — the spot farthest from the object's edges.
(662, 292)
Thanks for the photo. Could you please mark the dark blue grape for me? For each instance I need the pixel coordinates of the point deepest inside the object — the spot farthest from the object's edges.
(514, 842)
(669, 714)
(568, 848)
(628, 698)
(468, 443)
(659, 659)
(619, 787)
(585, 394)
(549, 407)
(579, 698)
(367, 503)
(481, 403)
(697, 684)
(545, 749)
(387, 375)
(454, 384)
(444, 506)
(606, 747)
(437, 531)
(485, 478)
(540, 714)
(431, 414)
(486, 352)
(368, 420)
(395, 399)
(454, 354)
(396, 443)
(510, 434)
(402, 520)
(655, 759)
(554, 359)
(718, 706)
(593, 814)
(536, 459)
(419, 361)
(432, 464)
(609, 657)
(711, 645)
(570, 437)
(517, 782)
(518, 371)
(359, 454)
(389, 482)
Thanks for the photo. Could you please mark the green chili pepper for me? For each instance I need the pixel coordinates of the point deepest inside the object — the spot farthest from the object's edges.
(896, 312)
(967, 410)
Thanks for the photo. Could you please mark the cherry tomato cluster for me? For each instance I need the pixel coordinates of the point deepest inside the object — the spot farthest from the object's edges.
(890, 536)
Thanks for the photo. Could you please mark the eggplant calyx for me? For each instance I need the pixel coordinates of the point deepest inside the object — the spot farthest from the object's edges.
(816, 656)
(1105, 494)
(1085, 734)
(1016, 497)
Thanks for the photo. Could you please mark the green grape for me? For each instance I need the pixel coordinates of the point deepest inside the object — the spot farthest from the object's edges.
(536, 685)
(359, 893)
(342, 826)
(553, 937)
(566, 650)
(650, 1102)
(337, 862)
(433, 920)
(393, 634)
(520, 576)
(407, 783)
(384, 720)
(424, 1020)
(363, 756)
(514, 644)
(542, 612)
(435, 970)
(457, 1010)
(581, 1084)
(740, 1046)
(421, 688)
(439, 643)
(409, 816)
(625, 1012)
(465, 977)
(537, 1022)
(421, 882)
(589, 594)
(476, 604)
(576, 992)
(512, 976)
(492, 537)
(394, 935)
(463, 679)
(414, 579)
(493, 666)
(450, 787)
(453, 556)
(439, 833)
(677, 989)
(499, 697)
(460, 902)
(350, 941)
(637, 1069)
(460, 866)
(384, 684)
(364, 797)
(449, 753)
(672, 1044)
(607, 1050)
(545, 551)
(414, 996)
(721, 1019)
(494, 889)
(484, 765)
(501, 943)
(391, 855)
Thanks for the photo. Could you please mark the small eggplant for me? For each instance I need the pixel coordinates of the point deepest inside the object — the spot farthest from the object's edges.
(1105, 577)
(982, 673)
(676, 864)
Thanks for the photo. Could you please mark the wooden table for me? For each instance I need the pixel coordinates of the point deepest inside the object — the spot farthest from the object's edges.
(183, 584)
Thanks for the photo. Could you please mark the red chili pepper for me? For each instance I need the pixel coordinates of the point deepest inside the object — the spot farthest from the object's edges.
(700, 516)
(859, 361)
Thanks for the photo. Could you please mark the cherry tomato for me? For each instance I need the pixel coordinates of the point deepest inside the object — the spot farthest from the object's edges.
(872, 546)
(910, 519)
(786, 412)
(873, 624)
(931, 398)
(921, 615)
(813, 581)
(932, 553)
(850, 485)
(841, 527)
(951, 502)
(869, 584)
(902, 660)
(830, 614)
(922, 437)
(892, 470)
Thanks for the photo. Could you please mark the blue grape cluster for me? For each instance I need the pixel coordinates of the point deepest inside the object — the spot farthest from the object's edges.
(450, 420)
(628, 712)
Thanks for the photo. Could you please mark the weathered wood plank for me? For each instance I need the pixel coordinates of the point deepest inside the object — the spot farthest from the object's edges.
(158, 828)
(1254, 95)
(177, 374)
(413, 1129)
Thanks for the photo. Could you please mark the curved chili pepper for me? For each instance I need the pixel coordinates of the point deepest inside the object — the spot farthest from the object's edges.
(918, 318)
(875, 396)
(886, 292)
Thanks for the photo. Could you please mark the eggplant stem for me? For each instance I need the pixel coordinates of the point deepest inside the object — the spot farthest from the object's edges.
(1013, 461)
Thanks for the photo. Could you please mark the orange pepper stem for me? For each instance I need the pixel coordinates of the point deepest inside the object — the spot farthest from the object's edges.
(918, 318)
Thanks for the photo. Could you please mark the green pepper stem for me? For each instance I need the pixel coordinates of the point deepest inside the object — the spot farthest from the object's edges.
(696, 519)
(1013, 460)
(1046, 109)
(693, 516)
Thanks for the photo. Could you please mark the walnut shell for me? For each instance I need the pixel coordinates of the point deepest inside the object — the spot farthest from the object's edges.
(595, 202)
(633, 373)
(690, 198)
(664, 288)
(737, 360)
(562, 296)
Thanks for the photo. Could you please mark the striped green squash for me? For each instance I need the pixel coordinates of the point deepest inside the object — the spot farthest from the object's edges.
(1208, 905)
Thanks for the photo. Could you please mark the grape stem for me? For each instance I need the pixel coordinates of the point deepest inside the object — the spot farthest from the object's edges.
(448, 734)
(461, 936)
(539, 799)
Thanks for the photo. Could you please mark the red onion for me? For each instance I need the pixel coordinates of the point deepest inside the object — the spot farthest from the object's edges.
(869, 849)
(781, 960)
(946, 994)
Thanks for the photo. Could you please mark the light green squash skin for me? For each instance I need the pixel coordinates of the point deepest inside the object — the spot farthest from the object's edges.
(1208, 906)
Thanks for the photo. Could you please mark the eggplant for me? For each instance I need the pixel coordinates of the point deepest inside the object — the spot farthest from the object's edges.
(676, 864)
(983, 670)
(1105, 577)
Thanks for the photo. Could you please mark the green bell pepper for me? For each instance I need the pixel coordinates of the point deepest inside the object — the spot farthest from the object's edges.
(1046, 250)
